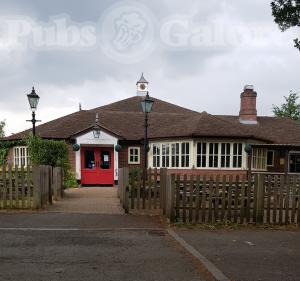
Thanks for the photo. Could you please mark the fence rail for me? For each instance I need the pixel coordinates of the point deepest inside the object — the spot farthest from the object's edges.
(272, 199)
(29, 188)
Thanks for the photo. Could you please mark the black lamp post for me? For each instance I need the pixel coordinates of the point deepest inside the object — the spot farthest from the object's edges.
(248, 150)
(33, 99)
(146, 103)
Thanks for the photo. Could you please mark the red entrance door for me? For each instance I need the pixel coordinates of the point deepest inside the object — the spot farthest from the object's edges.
(97, 165)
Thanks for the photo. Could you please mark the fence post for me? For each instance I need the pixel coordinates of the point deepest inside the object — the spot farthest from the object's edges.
(163, 187)
(260, 199)
(36, 175)
(126, 189)
(49, 184)
(169, 200)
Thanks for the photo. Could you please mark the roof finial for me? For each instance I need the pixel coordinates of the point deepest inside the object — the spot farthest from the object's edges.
(80, 106)
(142, 79)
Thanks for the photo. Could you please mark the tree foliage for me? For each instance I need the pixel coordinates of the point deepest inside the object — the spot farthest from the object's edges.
(2, 132)
(290, 109)
(287, 14)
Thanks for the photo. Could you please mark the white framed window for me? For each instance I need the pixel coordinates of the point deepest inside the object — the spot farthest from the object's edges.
(133, 155)
(213, 155)
(270, 158)
(225, 155)
(21, 156)
(156, 155)
(237, 155)
(259, 159)
(201, 154)
(175, 155)
(185, 154)
(165, 155)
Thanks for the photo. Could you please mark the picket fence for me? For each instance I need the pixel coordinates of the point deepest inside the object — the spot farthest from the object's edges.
(271, 199)
(30, 187)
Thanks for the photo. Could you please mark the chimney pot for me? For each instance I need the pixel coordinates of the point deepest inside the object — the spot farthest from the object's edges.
(248, 112)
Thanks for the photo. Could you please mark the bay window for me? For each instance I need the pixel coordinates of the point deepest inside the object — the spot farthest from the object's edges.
(225, 155)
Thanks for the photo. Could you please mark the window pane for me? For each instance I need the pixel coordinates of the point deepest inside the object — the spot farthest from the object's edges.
(270, 157)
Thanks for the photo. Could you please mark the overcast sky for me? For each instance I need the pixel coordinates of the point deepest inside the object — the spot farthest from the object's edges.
(197, 54)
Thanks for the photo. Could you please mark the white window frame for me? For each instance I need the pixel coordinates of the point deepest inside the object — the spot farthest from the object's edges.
(237, 155)
(203, 164)
(153, 157)
(165, 155)
(183, 156)
(21, 156)
(226, 154)
(156, 157)
(213, 154)
(134, 155)
(175, 154)
(259, 159)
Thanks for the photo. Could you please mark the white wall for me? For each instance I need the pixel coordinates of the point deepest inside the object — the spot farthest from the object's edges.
(87, 139)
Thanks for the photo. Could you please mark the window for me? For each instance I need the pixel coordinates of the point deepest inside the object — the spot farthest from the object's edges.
(237, 155)
(259, 157)
(156, 155)
(225, 155)
(21, 156)
(175, 155)
(294, 163)
(201, 154)
(185, 154)
(89, 159)
(165, 155)
(213, 155)
(133, 155)
(270, 158)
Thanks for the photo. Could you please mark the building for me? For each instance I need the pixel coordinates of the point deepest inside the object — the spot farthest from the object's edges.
(180, 139)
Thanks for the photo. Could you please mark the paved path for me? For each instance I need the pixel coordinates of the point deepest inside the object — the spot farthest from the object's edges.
(89, 200)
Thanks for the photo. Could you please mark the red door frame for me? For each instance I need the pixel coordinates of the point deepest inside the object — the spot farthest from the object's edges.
(100, 167)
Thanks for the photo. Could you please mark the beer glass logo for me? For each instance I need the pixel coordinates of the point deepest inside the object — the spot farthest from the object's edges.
(127, 32)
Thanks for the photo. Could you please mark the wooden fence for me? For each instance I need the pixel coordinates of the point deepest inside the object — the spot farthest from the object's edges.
(29, 188)
(272, 199)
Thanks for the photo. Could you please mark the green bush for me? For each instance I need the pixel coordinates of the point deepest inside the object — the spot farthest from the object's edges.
(53, 153)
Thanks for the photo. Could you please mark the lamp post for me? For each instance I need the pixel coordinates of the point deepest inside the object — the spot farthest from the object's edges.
(33, 99)
(147, 104)
(248, 150)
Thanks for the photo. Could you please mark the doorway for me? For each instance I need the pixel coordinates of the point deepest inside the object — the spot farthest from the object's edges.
(97, 166)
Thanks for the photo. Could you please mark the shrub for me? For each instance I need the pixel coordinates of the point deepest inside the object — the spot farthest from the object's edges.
(53, 153)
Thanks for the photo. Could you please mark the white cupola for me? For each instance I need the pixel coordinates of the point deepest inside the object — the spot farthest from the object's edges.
(142, 86)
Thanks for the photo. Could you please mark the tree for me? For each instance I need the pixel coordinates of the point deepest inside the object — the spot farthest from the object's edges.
(290, 109)
(2, 132)
(287, 14)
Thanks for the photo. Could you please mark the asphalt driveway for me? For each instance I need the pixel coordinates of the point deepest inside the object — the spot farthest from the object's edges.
(250, 254)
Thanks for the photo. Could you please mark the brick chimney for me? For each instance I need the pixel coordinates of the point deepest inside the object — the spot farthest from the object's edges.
(248, 113)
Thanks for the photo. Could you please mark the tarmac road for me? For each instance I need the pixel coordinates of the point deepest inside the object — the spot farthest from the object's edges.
(84, 247)
(250, 254)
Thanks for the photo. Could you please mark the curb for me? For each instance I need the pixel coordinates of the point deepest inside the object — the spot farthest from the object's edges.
(211, 268)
